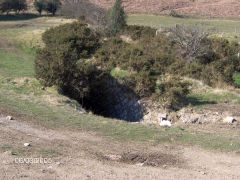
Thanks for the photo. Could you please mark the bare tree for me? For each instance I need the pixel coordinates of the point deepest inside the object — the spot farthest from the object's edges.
(93, 14)
(190, 40)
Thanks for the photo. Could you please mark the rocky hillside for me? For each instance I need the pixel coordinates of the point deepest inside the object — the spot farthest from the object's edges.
(224, 8)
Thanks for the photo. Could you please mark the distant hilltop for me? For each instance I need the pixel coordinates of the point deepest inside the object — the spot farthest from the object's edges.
(219, 8)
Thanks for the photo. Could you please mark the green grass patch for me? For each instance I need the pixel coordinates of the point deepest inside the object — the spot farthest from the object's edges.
(222, 25)
(13, 150)
(13, 66)
(227, 28)
(5, 147)
(200, 100)
(118, 73)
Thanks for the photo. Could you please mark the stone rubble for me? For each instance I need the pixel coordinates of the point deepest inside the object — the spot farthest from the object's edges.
(187, 116)
(10, 118)
(229, 120)
(165, 123)
(26, 144)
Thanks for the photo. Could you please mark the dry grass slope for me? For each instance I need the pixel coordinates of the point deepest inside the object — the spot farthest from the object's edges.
(218, 8)
(221, 8)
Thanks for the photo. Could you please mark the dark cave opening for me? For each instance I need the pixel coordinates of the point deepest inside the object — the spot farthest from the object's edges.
(114, 101)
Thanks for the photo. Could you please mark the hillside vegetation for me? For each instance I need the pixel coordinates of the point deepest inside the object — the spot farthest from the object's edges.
(22, 95)
(155, 63)
(217, 8)
(221, 8)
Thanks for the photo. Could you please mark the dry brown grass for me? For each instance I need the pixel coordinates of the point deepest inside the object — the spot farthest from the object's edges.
(228, 8)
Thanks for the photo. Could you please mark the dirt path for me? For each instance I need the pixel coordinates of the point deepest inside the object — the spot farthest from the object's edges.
(80, 155)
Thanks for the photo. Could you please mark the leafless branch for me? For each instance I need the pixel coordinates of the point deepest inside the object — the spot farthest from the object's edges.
(190, 40)
(93, 14)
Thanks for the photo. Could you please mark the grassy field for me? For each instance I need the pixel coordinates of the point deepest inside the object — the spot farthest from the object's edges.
(22, 94)
(228, 28)
(222, 25)
(13, 66)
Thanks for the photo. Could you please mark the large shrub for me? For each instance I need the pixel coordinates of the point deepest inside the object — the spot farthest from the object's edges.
(215, 66)
(65, 47)
(79, 63)
(66, 61)
(220, 62)
(154, 54)
(145, 60)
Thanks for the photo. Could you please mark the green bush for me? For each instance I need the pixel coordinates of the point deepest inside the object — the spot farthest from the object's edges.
(113, 53)
(144, 83)
(192, 70)
(161, 53)
(82, 64)
(65, 47)
(144, 61)
(220, 62)
(139, 32)
(236, 78)
(174, 13)
(170, 93)
(215, 67)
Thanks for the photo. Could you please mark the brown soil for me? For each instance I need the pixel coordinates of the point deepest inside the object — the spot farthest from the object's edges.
(156, 159)
(85, 155)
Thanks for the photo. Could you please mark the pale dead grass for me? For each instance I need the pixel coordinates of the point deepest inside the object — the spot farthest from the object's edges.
(128, 39)
(222, 8)
(199, 86)
(60, 20)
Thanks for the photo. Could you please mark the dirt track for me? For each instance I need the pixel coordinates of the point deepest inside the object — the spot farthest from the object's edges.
(84, 155)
